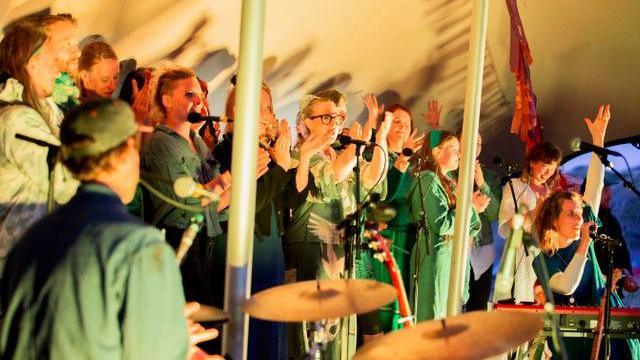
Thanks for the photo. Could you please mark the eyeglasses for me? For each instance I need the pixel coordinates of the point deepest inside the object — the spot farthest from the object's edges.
(326, 119)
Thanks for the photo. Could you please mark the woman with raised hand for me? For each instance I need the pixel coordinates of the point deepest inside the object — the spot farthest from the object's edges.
(432, 211)
(403, 141)
(314, 246)
(537, 182)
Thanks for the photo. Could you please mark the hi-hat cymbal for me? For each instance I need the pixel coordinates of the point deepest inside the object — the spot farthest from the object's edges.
(208, 313)
(474, 335)
(304, 301)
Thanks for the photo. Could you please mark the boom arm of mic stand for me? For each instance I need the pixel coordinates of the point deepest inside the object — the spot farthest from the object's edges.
(629, 185)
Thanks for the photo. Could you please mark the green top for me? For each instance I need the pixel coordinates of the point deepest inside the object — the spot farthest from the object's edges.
(398, 185)
(429, 200)
(323, 205)
(166, 157)
(90, 281)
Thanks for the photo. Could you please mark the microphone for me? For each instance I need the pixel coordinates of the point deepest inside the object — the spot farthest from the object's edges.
(195, 117)
(185, 187)
(579, 145)
(188, 236)
(407, 152)
(504, 278)
(346, 140)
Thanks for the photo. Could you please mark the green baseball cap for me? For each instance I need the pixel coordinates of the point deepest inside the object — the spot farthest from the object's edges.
(96, 127)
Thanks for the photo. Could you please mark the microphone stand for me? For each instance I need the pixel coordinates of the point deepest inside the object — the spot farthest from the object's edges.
(607, 164)
(352, 242)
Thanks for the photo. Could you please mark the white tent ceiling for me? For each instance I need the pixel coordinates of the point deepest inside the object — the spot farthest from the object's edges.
(408, 51)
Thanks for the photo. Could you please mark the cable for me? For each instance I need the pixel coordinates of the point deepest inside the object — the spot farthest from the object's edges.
(382, 175)
(163, 197)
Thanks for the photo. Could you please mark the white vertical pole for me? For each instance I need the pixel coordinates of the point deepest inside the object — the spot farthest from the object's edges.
(473, 97)
(243, 170)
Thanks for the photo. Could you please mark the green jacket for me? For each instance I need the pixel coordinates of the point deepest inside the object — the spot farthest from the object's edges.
(24, 173)
(91, 281)
(428, 199)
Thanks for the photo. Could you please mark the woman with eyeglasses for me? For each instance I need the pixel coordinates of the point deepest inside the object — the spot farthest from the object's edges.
(322, 198)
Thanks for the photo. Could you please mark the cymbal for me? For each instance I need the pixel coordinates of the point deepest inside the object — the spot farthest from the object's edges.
(208, 313)
(303, 301)
(474, 335)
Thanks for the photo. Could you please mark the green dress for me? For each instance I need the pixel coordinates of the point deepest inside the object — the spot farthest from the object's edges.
(314, 246)
(402, 236)
(428, 199)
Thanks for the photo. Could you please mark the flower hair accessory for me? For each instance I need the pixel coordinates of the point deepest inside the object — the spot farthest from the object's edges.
(305, 100)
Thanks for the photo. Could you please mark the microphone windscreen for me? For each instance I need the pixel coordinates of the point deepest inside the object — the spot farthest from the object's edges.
(184, 187)
(344, 139)
(407, 152)
(575, 144)
(194, 117)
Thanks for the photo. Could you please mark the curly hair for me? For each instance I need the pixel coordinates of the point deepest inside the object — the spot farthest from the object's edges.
(548, 215)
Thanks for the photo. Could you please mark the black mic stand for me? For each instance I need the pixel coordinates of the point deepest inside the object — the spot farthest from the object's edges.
(353, 226)
(607, 164)
(352, 240)
(610, 245)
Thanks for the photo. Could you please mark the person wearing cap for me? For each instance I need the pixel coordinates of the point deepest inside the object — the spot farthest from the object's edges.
(89, 280)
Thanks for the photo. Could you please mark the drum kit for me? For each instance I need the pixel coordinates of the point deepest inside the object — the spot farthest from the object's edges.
(473, 335)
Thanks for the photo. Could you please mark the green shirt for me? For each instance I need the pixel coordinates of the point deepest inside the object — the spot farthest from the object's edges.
(91, 281)
(166, 157)
(398, 184)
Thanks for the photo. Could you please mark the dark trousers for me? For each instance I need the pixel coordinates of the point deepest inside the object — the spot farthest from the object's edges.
(197, 266)
(479, 291)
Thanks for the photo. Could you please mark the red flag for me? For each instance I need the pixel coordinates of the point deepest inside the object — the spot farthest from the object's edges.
(525, 120)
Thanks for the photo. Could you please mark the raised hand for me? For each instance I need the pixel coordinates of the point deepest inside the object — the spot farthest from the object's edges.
(314, 144)
(432, 116)
(140, 104)
(371, 102)
(413, 141)
(356, 132)
(262, 165)
(384, 128)
(375, 110)
(598, 127)
(281, 151)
